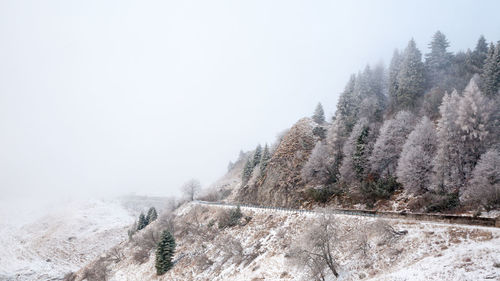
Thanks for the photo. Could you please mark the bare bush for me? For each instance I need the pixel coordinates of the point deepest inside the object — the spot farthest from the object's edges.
(141, 255)
(99, 271)
(318, 248)
(385, 233)
(229, 218)
(116, 254)
(70, 276)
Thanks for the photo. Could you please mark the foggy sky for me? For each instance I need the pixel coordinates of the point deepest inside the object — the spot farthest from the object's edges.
(107, 97)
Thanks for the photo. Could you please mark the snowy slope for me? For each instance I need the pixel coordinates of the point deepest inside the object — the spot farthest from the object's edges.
(45, 242)
(430, 251)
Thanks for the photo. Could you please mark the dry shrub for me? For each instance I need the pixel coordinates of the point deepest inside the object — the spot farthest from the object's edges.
(70, 276)
(99, 271)
(141, 255)
(116, 254)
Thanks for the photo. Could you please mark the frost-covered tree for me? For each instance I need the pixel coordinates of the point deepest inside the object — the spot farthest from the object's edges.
(491, 72)
(247, 172)
(356, 152)
(264, 160)
(318, 168)
(142, 223)
(474, 115)
(414, 169)
(319, 114)
(257, 155)
(464, 133)
(191, 189)
(448, 135)
(324, 162)
(348, 105)
(439, 60)
(152, 215)
(411, 80)
(393, 82)
(164, 253)
(390, 142)
(484, 187)
(479, 55)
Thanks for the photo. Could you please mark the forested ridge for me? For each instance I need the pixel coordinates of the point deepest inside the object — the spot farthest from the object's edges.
(426, 129)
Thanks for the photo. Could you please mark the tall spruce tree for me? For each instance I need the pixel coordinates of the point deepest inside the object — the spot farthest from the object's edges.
(143, 222)
(348, 105)
(491, 72)
(164, 253)
(479, 55)
(393, 82)
(152, 215)
(257, 155)
(247, 172)
(411, 78)
(438, 61)
(266, 156)
(319, 114)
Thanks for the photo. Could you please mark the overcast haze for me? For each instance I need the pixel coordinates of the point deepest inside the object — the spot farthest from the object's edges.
(101, 97)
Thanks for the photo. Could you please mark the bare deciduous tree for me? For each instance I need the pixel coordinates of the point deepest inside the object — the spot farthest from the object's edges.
(317, 250)
(191, 189)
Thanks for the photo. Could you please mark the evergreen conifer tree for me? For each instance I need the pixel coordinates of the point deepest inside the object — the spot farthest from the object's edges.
(479, 55)
(319, 114)
(438, 61)
(257, 155)
(266, 156)
(164, 253)
(143, 222)
(491, 72)
(411, 79)
(247, 172)
(152, 215)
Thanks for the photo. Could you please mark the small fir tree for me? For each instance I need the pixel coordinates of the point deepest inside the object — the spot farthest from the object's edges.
(143, 222)
(247, 172)
(152, 215)
(319, 114)
(266, 156)
(164, 253)
(257, 155)
(491, 72)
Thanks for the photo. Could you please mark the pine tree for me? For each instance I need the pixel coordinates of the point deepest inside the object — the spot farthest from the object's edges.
(152, 215)
(474, 116)
(356, 152)
(411, 79)
(439, 60)
(393, 82)
(414, 169)
(257, 155)
(478, 57)
(348, 106)
(448, 135)
(389, 144)
(164, 253)
(491, 72)
(319, 114)
(484, 187)
(142, 223)
(264, 160)
(247, 172)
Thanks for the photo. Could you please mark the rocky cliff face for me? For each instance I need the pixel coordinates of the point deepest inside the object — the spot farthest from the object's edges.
(281, 181)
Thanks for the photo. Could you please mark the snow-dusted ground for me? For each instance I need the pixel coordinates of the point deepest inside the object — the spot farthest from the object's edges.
(43, 242)
(430, 251)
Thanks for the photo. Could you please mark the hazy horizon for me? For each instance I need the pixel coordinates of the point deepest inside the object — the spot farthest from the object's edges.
(102, 98)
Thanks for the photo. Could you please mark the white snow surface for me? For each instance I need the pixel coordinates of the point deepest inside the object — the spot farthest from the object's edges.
(430, 251)
(43, 242)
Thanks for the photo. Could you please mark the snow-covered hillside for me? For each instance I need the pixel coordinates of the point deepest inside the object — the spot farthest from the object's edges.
(40, 242)
(259, 250)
